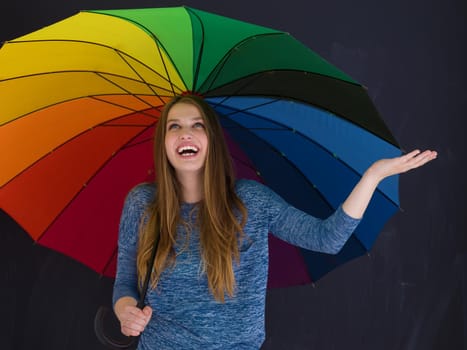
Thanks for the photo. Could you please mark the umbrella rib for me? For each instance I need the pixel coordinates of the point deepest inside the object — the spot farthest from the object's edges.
(285, 127)
(250, 79)
(158, 45)
(75, 98)
(115, 50)
(127, 146)
(172, 85)
(93, 97)
(246, 164)
(257, 76)
(143, 80)
(240, 88)
(270, 71)
(128, 92)
(85, 184)
(126, 107)
(234, 111)
(223, 61)
(109, 261)
(79, 71)
(165, 68)
(275, 150)
(103, 124)
(201, 49)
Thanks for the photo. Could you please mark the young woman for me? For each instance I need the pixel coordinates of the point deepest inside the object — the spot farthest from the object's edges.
(208, 284)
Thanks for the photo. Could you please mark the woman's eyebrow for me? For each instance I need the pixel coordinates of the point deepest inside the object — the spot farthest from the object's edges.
(178, 120)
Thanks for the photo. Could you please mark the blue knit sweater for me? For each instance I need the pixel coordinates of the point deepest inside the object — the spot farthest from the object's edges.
(185, 314)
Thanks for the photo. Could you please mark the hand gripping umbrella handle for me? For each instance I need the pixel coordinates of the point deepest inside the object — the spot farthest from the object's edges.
(103, 313)
(102, 317)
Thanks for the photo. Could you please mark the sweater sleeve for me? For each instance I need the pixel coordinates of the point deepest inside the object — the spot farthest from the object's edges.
(321, 235)
(135, 204)
(301, 229)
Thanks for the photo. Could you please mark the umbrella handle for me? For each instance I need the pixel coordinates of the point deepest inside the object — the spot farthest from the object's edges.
(103, 311)
(99, 321)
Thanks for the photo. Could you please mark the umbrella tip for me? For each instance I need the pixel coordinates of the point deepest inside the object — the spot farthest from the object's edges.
(190, 92)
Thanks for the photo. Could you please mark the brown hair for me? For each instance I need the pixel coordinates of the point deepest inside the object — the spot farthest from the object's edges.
(221, 214)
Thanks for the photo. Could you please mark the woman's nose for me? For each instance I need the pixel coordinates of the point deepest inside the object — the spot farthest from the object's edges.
(186, 134)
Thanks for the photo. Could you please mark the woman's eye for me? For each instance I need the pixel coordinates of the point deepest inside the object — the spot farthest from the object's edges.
(173, 126)
(199, 125)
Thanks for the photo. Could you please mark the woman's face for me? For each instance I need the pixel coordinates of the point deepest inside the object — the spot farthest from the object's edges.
(186, 141)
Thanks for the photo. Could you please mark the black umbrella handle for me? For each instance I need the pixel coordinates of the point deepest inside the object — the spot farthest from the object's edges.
(144, 290)
(102, 317)
(103, 312)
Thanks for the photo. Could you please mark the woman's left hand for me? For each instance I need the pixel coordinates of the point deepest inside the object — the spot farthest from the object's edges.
(358, 200)
(392, 166)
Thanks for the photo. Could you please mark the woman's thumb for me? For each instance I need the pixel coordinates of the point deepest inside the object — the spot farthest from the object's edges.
(147, 311)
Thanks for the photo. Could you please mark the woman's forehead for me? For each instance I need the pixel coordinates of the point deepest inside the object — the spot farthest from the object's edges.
(184, 111)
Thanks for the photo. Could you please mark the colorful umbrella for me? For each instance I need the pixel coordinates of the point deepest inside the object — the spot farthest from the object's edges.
(80, 99)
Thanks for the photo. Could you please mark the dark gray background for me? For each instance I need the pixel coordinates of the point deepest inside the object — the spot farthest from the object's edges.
(410, 292)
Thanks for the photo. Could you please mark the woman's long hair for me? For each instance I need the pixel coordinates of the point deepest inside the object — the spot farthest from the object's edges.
(221, 214)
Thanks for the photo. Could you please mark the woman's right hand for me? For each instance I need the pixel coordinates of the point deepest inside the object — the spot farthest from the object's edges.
(132, 319)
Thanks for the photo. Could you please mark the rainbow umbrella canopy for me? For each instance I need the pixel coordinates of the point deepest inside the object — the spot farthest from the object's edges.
(80, 99)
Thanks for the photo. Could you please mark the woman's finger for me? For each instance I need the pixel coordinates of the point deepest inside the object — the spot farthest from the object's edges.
(420, 159)
(134, 320)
